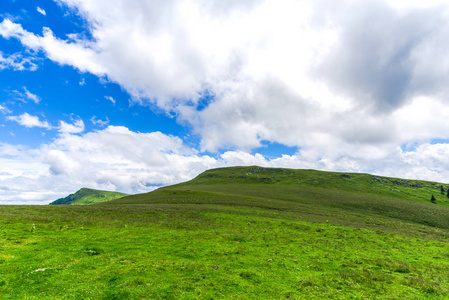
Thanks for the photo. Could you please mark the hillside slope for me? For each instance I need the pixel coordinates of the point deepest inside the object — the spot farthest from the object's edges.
(86, 196)
(340, 198)
(416, 190)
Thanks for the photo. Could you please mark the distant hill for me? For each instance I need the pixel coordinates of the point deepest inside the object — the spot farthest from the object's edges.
(88, 196)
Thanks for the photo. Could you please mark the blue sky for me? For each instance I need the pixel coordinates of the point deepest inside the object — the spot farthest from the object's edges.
(65, 93)
(132, 95)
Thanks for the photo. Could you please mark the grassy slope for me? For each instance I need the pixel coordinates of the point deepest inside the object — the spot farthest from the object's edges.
(230, 235)
(87, 196)
(316, 195)
(416, 190)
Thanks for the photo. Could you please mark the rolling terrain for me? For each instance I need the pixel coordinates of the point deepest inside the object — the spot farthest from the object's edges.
(236, 233)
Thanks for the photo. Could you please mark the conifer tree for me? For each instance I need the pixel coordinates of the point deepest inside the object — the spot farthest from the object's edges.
(433, 200)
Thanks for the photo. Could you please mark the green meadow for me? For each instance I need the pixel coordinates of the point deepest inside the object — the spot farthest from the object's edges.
(236, 233)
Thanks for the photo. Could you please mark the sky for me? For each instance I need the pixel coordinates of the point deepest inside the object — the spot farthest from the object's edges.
(132, 95)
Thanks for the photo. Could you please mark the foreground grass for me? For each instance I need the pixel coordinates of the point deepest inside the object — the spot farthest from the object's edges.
(206, 251)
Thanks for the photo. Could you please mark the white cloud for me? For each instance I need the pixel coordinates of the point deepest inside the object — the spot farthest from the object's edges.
(300, 78)
(76, 127)
(387, 63)
(64, 52)
(407, 4)
(26, 95)
(4, 109)
(35, 98)
(29, 121)
(99, 122)
(17, 62)
(110, 99)
(41, 11)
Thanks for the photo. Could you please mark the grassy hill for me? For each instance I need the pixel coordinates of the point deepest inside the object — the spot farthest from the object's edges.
(416, 190)
(87, 196)
(236, 233)
(316, 195)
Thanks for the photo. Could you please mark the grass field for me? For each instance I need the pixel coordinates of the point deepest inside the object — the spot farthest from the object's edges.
(236, 233)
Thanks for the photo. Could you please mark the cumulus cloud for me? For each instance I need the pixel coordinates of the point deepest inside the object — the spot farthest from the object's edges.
(387, 62)
(64, 52)
(76, 127)
(29, 121)
(177, 49)
(317, 71)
